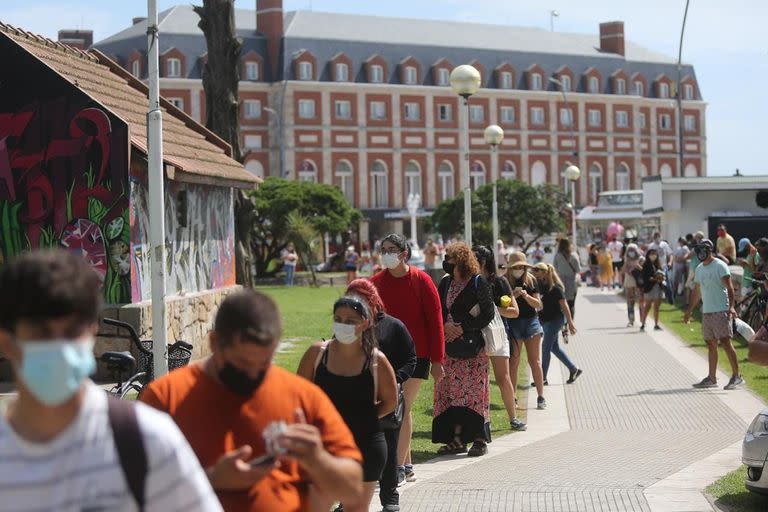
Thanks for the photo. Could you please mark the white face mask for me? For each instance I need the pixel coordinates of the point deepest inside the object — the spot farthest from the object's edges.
(517, 274)
(653, 257)
(390, 260)
(345, 333)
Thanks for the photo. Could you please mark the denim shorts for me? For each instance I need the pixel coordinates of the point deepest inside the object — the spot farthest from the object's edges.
(524, 328)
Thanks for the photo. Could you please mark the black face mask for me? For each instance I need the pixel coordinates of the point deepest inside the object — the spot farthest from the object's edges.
(702, 254)
(448, 267)
(237, 381)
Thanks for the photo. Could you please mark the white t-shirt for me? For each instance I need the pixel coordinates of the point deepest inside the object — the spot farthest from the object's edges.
(615, 247)
(79, 470)
(289, 258)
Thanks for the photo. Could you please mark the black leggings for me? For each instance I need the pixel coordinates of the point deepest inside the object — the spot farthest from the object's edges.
(388, 484)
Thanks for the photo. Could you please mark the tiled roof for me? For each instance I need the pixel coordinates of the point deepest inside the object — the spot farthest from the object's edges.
(195, 152)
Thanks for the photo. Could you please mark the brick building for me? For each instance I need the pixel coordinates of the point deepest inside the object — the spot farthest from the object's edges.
(363, 102)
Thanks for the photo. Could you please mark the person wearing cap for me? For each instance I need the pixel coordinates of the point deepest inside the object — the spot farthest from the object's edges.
(526, 328)
(714, 288)
(726, 245)
(746, 256)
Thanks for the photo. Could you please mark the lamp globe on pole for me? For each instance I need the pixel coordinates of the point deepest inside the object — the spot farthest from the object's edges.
(465, 81)
(573, 173)
(494, 135)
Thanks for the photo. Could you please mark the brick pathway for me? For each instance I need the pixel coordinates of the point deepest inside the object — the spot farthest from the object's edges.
(634, 420)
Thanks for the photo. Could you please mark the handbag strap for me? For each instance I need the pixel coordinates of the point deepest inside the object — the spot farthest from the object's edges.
(319, 357)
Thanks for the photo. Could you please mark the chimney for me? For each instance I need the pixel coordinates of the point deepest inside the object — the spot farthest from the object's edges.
(269, 21)
(81, 39)
(138, 20)
(612, 37)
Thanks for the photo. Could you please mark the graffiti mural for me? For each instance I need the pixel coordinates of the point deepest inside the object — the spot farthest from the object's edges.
(63, 183)
(199, 246)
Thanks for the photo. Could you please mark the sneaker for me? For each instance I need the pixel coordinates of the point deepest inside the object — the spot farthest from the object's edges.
(391, 508)
(541, 403)
(533, 384)
(400, 475)
(657, 328)
(735, 382)
(518, 425)
(574, 375)
(706, 382)
(410, 476)
(630, 324)
(642, 327)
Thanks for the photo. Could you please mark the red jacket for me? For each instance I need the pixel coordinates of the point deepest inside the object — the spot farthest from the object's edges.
(413, 300)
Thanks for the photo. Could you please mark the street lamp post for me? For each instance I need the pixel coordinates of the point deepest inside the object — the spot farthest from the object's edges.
(572, 174)
(465, 81)
(681, 147)
(279, 122)
(414, 201)
(493, 136)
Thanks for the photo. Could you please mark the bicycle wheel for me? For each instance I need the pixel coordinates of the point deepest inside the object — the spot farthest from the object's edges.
(132, 391)
(756, 315)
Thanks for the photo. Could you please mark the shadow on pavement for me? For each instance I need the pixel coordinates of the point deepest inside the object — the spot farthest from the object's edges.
(604, 299)
(663, 392)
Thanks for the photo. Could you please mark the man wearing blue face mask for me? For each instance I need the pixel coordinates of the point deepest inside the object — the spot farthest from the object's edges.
(59, 447)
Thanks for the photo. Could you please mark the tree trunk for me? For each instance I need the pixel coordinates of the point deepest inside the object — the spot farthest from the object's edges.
(221, 77)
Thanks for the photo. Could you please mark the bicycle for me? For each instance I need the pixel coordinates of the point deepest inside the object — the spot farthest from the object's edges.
(752, 308)
(142, 371)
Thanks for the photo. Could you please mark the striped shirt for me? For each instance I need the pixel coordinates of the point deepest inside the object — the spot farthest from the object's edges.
(79, 470)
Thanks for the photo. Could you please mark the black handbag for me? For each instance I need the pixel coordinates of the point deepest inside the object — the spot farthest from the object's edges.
(468, 346)
(394, 419)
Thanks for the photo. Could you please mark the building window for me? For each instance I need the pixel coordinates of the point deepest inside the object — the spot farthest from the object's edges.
(536, 83)
(443, 77)
(639, 88)
(410, 75)
(343, 109)
(445, 177)
(412, 112)
(307, 109)
(641, 121)
(412, 179)
(342, 72)
(593, 85)
(595, 183)
(690, 123)
(177, 102)
(251, 109)
(622, 177)
(305, 71)
(444, 112)
(506, 80)
(566, 116)
(251, 70)
(621, 86)
(509, 172)
(379, 186)
(307, 172)
(343, 180)
(688, 91)
(622, 119)
(508, 115)
(377, 74)
(173, 68)
(537, 115)
(136, 68)
(663, 90)
(595, 118)
(565, 83)
(665, 121)
(378, 110)
(476, 176)
(476, 113)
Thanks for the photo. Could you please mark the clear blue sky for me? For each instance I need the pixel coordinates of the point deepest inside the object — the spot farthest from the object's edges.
(724, 41)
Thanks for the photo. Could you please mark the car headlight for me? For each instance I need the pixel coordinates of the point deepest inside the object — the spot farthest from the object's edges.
(759, 426)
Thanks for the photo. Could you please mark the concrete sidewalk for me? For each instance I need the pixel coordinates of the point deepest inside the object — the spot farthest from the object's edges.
(630, 435)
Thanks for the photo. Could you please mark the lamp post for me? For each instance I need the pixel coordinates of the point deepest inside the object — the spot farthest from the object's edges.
(279, 121)
(679, 92)
(552, 16)
(414, 201)
(493, 136)
(465, 81)
(572, 174)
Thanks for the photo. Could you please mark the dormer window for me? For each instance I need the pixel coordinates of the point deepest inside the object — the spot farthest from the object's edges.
(663, 90)
(410, 75)
(443, 77)
(621, 86)
(136, 69)
(565, 82)
(688, 91)
(593, 85)
(305, 71)
(252, 71)
(173, 68)
(506, 80)
(377, 74)
(536, 83)
(342, 72)
(639, 88)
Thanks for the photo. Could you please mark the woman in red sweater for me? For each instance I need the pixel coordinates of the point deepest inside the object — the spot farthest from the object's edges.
(410, 296)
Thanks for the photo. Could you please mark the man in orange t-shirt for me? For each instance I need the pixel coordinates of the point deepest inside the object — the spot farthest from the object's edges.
(223, 404)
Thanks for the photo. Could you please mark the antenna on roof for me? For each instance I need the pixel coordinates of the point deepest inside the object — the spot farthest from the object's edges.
(552, 15)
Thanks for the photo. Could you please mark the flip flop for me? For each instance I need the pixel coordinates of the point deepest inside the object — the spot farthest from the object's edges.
(452, 448)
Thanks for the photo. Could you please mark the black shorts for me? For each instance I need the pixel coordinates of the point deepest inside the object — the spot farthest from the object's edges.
(374, 451)
(618, 264)
(422, 369)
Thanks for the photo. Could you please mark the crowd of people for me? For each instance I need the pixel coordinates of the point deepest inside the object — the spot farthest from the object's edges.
(235, 432)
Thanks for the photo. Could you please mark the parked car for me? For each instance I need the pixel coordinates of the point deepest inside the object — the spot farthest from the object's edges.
(754, 452)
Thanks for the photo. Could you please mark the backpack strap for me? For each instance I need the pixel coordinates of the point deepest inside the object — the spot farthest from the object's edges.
(129, 445)
(319, 357)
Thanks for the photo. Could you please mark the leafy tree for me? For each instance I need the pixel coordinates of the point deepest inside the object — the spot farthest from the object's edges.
(523, 209)
(324, 207)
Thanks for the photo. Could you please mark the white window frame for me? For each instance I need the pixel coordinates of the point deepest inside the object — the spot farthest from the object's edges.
(410, 75)
(641, 121)
(622, 119)
(476, 176)
(307, 107)
(476, 114)
(536, 82)
(309, 176)
(639, 88)
(507, 114)
(379, 186)
(595, 118)
(663, 90)
(412, 111)
(537, 116)
(412, 179)
(306, 71)
(177, 102)
(445, 177)
(621, 86)
(377, 110)
(688, 91)
(173, 67)
(505, 81)
(595, 178)
(445, 112)
(565, 83)
(342, 72)
(593, 85)
(342, 109)
(343, 180)
(506, 174)
(566, 116)
(622, 178)
(443, 77)
(662, 123)
(689, 121)
(252, 71)
(377, 74)
(136, 68)
(251, 109)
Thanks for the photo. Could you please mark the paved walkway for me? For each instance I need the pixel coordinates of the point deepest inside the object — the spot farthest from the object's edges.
(630, 435)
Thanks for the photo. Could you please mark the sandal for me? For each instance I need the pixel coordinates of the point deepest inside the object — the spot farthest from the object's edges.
(452, 448)
(478, 448)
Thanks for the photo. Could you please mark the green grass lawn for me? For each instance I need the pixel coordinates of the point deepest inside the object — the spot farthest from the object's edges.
(729, 490)
(307, 317)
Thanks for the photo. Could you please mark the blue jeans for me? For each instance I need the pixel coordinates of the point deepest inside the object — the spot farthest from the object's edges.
(289, 271)
(551, 345)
